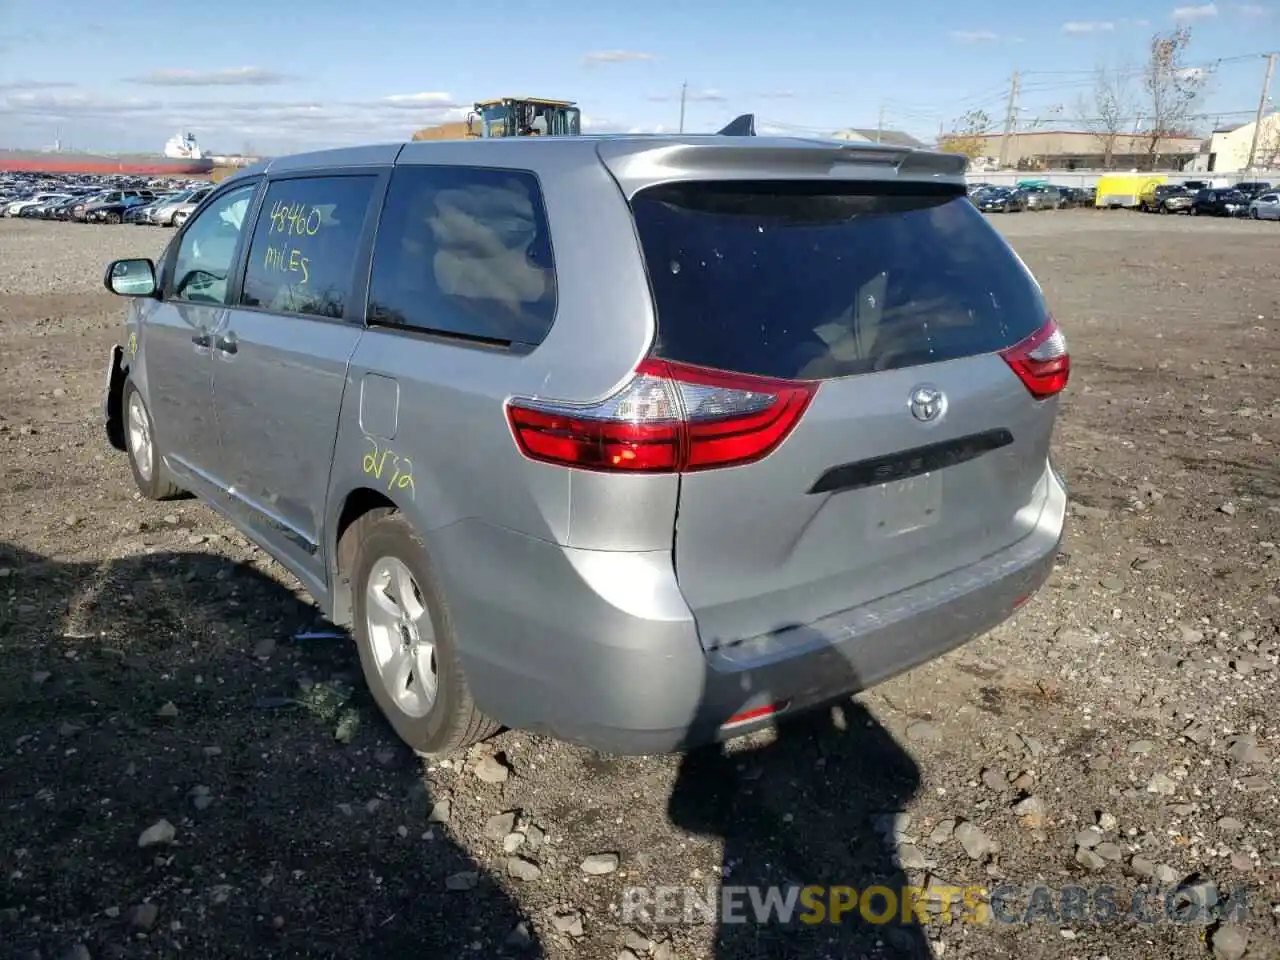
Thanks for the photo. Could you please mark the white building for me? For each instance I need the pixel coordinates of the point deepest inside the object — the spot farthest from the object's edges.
(1229, 148)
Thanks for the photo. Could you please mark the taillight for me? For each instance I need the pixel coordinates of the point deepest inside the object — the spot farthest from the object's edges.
(1041, 361)
(669, 418)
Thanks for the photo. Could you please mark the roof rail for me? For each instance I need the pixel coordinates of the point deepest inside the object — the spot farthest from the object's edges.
(743, 126)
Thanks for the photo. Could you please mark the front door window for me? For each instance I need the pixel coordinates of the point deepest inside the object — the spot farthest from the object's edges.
(207, 250)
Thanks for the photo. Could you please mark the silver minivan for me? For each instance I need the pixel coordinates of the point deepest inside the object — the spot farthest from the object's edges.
(641, 442)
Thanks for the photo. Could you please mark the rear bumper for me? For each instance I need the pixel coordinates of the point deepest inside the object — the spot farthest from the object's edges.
(599, 648)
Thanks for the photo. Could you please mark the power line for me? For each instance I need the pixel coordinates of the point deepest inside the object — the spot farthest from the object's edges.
(1238, 58)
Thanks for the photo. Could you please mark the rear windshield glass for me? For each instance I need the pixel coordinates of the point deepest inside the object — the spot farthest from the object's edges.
(803, 280)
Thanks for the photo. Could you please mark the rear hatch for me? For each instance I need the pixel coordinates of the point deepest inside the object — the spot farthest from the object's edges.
(882, 315)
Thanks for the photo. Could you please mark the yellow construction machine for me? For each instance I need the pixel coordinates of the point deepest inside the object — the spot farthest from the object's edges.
(511, 117)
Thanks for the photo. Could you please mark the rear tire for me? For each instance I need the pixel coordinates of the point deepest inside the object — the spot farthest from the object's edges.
(399, 610)
(145, 462)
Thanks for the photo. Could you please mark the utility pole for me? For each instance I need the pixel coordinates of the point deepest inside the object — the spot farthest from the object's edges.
(684, 93)
(1011, 111)
(880, 123)
(1262, 109)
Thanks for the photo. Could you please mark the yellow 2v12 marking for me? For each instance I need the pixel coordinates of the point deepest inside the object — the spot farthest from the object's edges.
(133, 344)
(377, 462)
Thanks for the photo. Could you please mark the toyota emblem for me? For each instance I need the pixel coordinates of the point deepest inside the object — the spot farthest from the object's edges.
(927, 403)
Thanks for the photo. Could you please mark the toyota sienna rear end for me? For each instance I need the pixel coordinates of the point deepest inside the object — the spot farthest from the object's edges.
(828, 461)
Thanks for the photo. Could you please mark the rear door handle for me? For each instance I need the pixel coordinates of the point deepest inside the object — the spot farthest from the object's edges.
(202, 339)
(227, 343)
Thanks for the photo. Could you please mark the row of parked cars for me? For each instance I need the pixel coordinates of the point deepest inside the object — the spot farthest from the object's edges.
(990, 198)
(1257, 199)
(162, 204)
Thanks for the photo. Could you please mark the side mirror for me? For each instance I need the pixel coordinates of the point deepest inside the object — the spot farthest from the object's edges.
(131, 278)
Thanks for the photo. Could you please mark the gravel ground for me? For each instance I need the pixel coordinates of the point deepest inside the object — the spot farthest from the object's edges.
(184, 774)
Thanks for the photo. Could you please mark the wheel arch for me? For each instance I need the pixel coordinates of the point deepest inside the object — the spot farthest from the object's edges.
(114, 404)
(357, 503)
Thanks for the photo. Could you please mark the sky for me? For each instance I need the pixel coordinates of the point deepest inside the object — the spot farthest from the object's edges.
(269, 78)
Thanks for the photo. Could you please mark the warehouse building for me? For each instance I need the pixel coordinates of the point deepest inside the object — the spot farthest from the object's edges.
(1082, 150)
(1227, 150)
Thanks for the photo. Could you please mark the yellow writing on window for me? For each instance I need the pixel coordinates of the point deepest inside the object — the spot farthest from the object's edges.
(133, 344)
(295, 219)
(283, 260)
(386, 466)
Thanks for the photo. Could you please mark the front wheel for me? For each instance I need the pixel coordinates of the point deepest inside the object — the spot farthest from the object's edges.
(405, 636)
(148, 468)
(112, 218)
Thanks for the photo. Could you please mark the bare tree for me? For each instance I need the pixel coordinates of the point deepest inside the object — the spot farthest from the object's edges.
(1173, 89)
(1106, 112)
(1268, 156)
(968, 135)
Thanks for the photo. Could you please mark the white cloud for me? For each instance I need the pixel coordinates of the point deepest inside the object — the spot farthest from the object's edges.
(1077, 27)
(777, 95)
(601, 57)
(22, 85)
(1192, 73)
(974, 36)
(691, 96)
(225, 124)
(421, 99)
(1204, 12)
(233, 77)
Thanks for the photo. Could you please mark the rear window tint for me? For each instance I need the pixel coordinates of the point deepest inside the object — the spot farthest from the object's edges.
(807, 281)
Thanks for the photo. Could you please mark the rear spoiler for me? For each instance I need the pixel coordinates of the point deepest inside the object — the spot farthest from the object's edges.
(743, 126)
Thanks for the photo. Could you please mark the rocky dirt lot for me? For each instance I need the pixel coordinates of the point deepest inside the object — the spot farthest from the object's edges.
(190, 767)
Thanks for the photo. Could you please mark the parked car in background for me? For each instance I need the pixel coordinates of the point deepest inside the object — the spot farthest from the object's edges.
(36, 211)
(137, 214)
(1265, 207)
(62, 211)
(1254, 188)
(1041, 197)
(1071, 196)
(15, 208)
(146, 213)
(999, 200)
(1166, 198)
(83, 212)
(1220, 202)
(187, 200)
(113, 211)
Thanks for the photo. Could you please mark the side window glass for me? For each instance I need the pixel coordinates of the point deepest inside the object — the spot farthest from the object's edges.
(303, 255)
(207, 251)
(464, 251)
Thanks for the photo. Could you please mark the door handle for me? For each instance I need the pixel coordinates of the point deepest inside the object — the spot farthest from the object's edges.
(227, 343)
(201, 339)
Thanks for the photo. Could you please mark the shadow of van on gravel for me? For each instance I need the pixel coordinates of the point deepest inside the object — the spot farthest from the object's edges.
(143, 689)
(812, 806)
